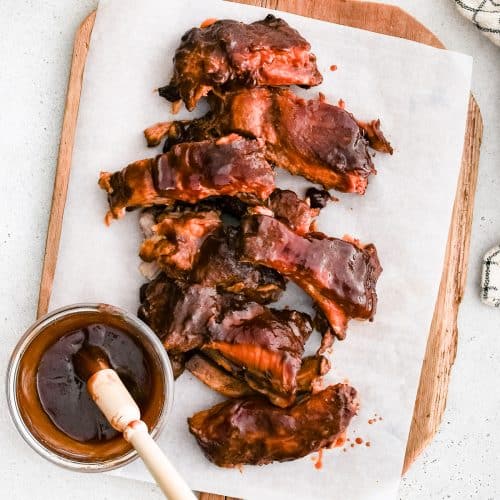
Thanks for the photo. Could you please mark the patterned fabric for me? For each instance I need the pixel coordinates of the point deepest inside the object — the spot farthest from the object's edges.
(485, 14)
(490, 281)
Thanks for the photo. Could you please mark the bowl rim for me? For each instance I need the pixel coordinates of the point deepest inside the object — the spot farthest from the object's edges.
(12, 378)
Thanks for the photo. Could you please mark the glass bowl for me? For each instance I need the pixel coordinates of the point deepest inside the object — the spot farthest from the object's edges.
(29, 417)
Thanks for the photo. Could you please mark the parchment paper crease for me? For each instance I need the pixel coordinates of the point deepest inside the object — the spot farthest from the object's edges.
(419, 93)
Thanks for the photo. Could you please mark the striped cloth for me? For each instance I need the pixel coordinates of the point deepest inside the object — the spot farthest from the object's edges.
(485, 14)
(490, 281)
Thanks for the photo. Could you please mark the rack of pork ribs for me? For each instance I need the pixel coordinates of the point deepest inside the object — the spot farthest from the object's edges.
(221, 240)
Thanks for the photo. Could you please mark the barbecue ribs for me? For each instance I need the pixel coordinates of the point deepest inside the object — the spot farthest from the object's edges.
(191, 172)
(229, 53)
(231, 386)
(251, 431)
(290, 209)
(264, 347)
(218, 266)
(260, 345)
(175, 239)
(311, 138)
(339, 275)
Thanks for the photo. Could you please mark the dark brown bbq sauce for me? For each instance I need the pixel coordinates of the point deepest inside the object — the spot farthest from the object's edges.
(64, 395)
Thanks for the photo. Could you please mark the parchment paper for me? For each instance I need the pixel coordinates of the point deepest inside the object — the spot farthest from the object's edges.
(418, 92)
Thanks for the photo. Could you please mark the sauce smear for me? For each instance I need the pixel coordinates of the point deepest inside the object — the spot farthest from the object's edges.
(319, 461)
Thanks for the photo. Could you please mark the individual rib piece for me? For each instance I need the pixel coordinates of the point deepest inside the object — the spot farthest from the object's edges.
(311, 371)
(191, 172)
(251, 431)
(230, 53)
(175, 238)
(222, 381)
(218, 379)
(264, 347)
(178, 313)
(218, 266)
(311, 138)
(375, 136)
(293, 211)
(339, 275)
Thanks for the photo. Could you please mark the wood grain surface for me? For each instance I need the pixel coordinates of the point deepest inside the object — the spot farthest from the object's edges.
(442, 343)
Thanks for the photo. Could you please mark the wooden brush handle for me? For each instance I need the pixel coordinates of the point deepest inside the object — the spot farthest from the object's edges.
(169, 480)
(113, 399)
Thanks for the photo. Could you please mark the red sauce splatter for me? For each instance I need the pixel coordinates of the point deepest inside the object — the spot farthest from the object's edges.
(368, 444)
(333, 67)
(371, 421)
(319, 460)
(208, 22)
(352, 445)
(359, 441)
(341, 104)
(340, 441)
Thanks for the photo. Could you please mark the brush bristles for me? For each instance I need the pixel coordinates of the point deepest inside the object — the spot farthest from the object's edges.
(89, 360)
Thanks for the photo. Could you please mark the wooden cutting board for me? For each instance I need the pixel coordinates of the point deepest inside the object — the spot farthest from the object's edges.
(442, 343)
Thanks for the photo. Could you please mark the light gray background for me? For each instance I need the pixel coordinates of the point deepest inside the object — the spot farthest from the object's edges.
(35, 51)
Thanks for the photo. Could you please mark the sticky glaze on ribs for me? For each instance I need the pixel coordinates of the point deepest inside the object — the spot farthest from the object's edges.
(293, 211)
(260, 345)
(311, 138)
(219, 266)
(212, 281)
(251, 431)
(215, 377)
(175, 239)
(219, 378)
(231, 53)
(264, 347)
(339, 275)
(190, 172)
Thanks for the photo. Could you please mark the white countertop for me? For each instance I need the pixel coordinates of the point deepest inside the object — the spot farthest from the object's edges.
(35, 53)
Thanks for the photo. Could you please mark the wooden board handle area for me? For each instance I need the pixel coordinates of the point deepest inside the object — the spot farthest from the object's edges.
(442, 343)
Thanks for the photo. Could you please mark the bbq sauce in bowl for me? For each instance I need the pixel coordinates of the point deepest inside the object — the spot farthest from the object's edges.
(63, 394)
(49, 403)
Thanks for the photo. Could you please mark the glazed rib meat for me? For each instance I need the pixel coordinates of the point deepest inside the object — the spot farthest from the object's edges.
(339, 275)
(217, 378)
(311, 138)
(375, 136)
(264, 347)
(230, 53)
(290, 209)
(233, 386)
(175, 239)
(180, 314)
(219, 266)
(312, 369)
(251, 431)
(260, 345)
(190, 172)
